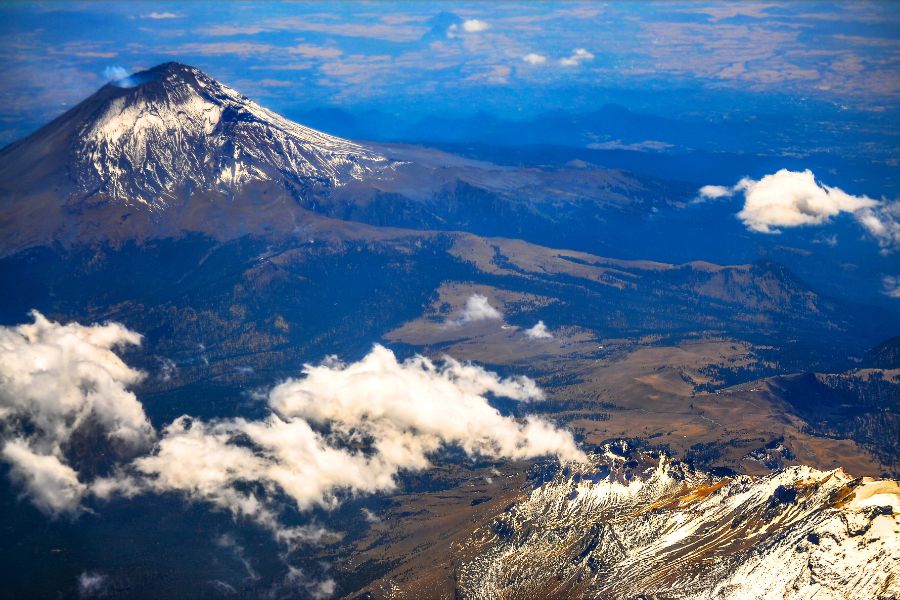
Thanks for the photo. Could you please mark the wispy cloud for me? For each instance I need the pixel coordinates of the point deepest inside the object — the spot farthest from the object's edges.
(159, 16)
(115, 73)
(96, 54)
(313, 51)
(890, 285)
(298, 582)
(243, 49)
(370, 516)
(381, 30)
(92, 584)
(644, 146)
(578, 56)
(532, 58)
(229, 542)
(883, 223)
(498, 74)
(721, 12)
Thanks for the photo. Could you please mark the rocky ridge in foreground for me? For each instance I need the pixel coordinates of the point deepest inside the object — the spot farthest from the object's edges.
(637, 524)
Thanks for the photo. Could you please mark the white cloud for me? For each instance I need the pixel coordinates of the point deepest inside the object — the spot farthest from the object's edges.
(315, 51)
(794, 199)
(538, 332)
(477, 308)
(578, 56)
(229, 542)
(891, 285)
(224, 588)
(714, 192)
(321, 589)
(54, 380)
(167, 369)
(532, 58)
(440, 403)
(336, 431)
(52, 485)
(882, 222)
(791, 199)
(475, 26)
(403, 412)
(156, 16)
(497, 74)
(829, 240)
(468, 26)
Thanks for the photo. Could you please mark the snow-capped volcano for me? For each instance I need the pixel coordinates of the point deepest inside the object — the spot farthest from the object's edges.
(171, 126)
(161, 135)
(166, 151)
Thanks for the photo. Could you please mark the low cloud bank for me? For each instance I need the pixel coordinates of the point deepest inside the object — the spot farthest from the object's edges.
(795, 198)
(337, 430)
(382, 416)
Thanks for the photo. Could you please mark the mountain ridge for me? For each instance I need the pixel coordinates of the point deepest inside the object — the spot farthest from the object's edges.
(634, 523)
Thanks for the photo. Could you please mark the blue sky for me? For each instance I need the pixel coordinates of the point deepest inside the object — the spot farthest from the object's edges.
(512, 59)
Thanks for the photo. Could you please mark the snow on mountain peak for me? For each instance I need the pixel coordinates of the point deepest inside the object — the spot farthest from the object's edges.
(173, 128)
(645, 525)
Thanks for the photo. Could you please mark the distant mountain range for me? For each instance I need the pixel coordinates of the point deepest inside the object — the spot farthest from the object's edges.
(615, 136)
